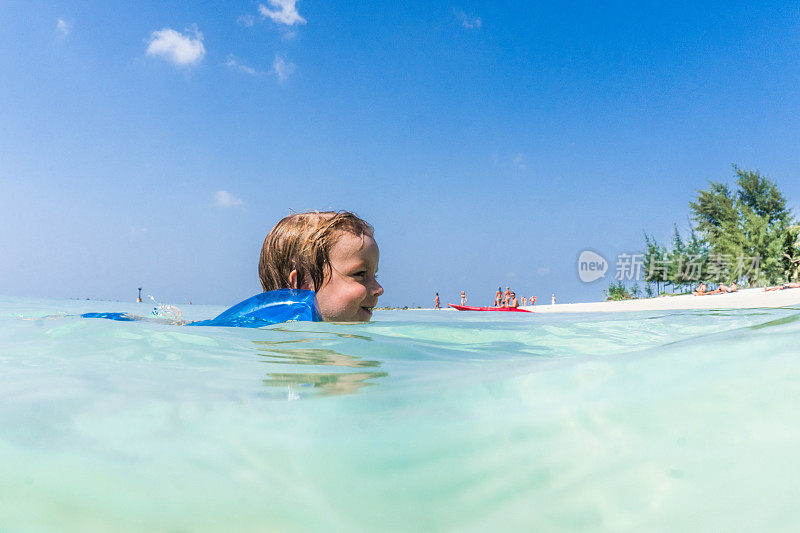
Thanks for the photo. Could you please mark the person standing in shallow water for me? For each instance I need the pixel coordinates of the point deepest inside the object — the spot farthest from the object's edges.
(463, 298)
(436, 304)
(497, 297)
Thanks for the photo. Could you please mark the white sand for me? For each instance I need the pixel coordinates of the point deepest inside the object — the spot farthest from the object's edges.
(743, 299)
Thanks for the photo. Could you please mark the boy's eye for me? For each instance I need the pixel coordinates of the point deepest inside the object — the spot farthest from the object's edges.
(360, 273)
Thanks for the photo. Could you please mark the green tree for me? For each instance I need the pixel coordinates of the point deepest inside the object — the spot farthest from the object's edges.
(791, 254)
(617, 291)
(765, 219)
(635, 290)
(677, 256)
(738, 227)
(762, 196)
(697, 255)
(654, 263)
(717, 220)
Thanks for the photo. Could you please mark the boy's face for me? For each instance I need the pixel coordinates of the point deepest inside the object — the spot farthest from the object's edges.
(352, 290)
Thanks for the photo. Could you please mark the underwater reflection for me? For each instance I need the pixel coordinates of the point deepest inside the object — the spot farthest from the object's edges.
(322, 383)
(340, 335)
(325, 384)
(310, 356)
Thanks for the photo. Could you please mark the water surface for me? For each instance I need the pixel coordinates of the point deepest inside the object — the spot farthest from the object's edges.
(420, 420)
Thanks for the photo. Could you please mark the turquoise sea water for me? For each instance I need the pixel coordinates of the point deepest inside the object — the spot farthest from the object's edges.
(420, 420)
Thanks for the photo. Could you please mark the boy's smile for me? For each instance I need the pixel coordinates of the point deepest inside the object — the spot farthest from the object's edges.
(351, 291)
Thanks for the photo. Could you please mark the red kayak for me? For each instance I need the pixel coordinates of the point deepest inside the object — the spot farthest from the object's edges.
(470, 308)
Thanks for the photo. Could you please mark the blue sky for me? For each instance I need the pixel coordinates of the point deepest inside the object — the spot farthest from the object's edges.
(489, 143)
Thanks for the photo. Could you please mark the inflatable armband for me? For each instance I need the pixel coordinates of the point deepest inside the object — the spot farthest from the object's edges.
(266, 308)
(120, 317)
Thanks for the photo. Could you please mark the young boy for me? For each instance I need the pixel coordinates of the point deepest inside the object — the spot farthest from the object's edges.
(330, 259)
(331, 253)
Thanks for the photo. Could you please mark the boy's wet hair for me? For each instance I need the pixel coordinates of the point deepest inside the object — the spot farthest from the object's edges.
(303, 242)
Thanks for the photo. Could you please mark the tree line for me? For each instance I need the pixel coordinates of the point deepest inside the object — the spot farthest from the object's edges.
(747, 235)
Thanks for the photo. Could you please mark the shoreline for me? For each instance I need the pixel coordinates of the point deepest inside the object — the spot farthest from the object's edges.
(756, 298)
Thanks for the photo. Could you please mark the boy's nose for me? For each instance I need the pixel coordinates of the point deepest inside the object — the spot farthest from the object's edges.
(378, 288)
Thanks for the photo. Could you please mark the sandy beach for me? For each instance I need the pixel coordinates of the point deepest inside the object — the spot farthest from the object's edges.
(743, 299)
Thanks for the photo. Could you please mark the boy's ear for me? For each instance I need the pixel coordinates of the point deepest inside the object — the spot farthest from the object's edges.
(306, 285)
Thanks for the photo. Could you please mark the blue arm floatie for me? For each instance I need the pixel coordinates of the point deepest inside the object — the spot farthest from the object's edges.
(266, 308)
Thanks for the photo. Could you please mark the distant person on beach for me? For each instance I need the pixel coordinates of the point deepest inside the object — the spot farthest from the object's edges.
(721, 289)
(524, 302)
(331, 253)
(498, 296)
(792, 285)
(436, 304)
(553, 299)
(701, 289)
(506, 296)
(513, 302)
(533, 300)
(463, 298)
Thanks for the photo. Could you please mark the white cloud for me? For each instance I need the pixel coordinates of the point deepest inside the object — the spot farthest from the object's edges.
(543, 271)
(246, 20)
(225, 199)
(62, 27)
(519, 161)
(285, 12)
(282, 68)
(178, 48)
(137, 231)
(234, 63)
(470, 23)
(289, 34)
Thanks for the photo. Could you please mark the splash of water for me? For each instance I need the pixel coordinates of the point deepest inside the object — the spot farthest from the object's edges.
(165, 310)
